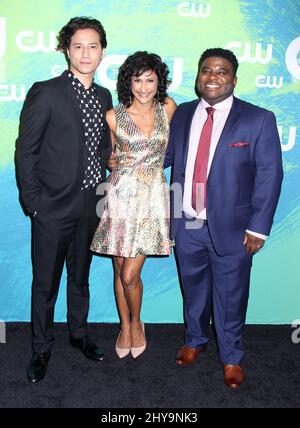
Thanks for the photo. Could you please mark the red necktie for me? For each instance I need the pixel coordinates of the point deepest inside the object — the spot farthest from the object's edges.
(201, 162)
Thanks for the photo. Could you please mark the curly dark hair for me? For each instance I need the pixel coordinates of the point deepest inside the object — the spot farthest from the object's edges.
(135, 65)
(222, 53)
(79, 23)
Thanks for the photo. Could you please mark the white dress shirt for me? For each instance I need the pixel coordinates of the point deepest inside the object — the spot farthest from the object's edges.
(221, 113)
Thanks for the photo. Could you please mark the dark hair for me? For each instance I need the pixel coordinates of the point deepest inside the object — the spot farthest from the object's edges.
(79, 23)
(137, 64)
(222, 53)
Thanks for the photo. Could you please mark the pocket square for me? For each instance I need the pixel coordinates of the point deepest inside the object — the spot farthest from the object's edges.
(239, 144)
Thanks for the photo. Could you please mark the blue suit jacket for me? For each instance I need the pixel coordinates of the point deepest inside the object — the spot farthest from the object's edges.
(244, 181)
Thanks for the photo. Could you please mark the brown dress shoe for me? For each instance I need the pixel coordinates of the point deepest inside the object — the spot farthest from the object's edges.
(233, 375)
(187, 355)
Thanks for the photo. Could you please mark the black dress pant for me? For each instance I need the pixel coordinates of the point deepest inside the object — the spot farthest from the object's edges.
(54, 241)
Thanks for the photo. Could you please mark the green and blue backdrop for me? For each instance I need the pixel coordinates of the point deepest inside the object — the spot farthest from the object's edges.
(265, 36)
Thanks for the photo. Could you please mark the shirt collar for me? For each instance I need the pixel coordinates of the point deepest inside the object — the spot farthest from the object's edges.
(77, 82)
(222, 106)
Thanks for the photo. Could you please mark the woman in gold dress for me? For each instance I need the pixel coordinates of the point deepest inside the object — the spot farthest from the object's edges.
(135, 219)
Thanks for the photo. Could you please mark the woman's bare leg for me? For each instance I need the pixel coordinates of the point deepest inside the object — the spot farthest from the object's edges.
(124, 340)
(133, 291)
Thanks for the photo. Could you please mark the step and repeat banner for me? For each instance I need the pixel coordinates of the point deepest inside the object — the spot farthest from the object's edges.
(265, 36)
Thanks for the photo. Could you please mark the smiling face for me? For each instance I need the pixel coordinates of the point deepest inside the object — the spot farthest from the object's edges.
(85, 52)
(144, 87)
(216, 80)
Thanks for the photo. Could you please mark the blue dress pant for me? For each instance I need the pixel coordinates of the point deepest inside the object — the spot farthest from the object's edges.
(212, 285)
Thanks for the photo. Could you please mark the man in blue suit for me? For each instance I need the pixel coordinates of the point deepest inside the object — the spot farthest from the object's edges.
(226, 159)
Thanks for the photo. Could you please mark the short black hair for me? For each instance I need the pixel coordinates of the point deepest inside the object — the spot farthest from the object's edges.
(222, 53)
(135, 65)
(79, 23)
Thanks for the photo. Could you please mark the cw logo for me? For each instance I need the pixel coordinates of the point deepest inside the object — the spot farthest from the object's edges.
(12, 92)
(31, 41)
(27, 41)
(114, 62)
(244, 53)
(188, 9)
(108, 71)
(2, 37)
(263, 81)
(291, 138)
(292, 61)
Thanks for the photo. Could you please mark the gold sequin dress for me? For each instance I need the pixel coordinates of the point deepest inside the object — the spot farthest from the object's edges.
(135, 217)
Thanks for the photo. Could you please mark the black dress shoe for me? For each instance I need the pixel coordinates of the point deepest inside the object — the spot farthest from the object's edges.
(38, 366)
(89, 349)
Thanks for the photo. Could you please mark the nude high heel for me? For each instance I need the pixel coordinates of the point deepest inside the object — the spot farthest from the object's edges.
(121, 352)
(135, 352)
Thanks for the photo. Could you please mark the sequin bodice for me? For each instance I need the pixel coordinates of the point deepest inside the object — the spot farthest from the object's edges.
(134, 151)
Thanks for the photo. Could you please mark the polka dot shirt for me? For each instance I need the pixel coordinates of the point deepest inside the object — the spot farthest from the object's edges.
(92, 120)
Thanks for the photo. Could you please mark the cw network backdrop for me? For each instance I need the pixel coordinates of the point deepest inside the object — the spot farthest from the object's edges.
(264, 36)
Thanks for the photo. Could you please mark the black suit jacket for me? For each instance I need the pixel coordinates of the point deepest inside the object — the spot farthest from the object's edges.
(51, 154)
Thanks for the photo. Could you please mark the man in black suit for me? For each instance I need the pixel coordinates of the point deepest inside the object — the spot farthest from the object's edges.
(61, 157)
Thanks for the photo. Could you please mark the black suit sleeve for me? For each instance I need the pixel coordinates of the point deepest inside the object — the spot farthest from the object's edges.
(170, 152)
(110, 104)
(34, 119)
(106, 146)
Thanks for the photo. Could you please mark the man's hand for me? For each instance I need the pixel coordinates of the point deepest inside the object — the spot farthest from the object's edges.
(252, 243)
(112, 161)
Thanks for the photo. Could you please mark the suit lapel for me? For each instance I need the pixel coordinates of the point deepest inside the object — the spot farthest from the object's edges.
(229, 124)
(72, 101)
(100, 96)
(70, 95)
